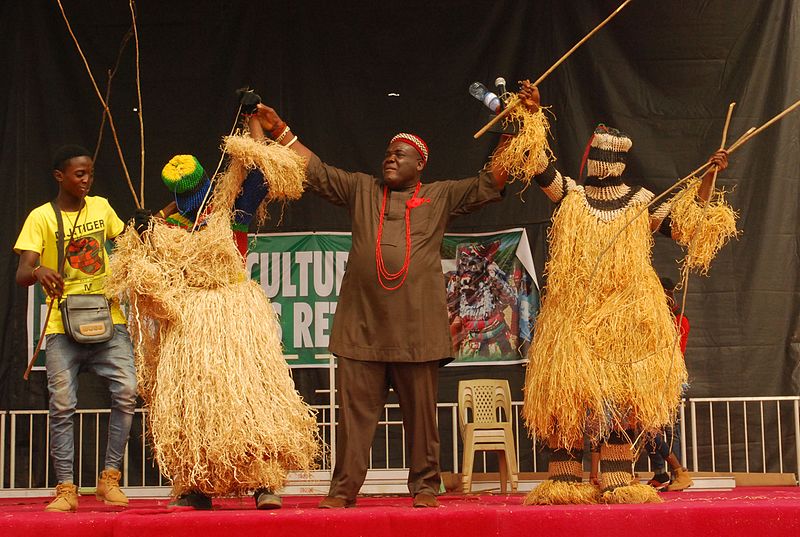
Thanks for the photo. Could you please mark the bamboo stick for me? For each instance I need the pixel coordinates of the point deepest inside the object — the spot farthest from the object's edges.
(516, 102)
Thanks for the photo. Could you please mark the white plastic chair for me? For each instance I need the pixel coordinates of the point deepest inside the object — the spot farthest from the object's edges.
(484, 413)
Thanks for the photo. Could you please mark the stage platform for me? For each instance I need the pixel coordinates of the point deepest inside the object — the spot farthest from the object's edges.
(760, 511)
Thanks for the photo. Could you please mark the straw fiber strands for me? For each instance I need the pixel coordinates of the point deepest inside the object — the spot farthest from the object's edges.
(527, 154)
(702, 228)
(605, 342)
(224, 415)
(283, 169)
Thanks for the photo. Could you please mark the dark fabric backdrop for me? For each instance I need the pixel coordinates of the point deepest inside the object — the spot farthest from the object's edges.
(662, 71)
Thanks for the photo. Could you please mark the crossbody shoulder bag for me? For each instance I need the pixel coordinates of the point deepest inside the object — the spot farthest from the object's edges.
(86, 317)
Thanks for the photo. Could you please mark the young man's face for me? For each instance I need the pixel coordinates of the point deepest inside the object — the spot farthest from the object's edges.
(401, 166)
(77, 176)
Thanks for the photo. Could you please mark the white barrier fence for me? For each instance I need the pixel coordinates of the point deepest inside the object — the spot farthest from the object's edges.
(740, 434)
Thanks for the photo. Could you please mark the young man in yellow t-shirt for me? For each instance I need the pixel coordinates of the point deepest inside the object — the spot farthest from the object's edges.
(88, 222)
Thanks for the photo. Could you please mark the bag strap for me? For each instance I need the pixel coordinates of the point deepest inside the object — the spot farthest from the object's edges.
(60, 239)
(62, 253)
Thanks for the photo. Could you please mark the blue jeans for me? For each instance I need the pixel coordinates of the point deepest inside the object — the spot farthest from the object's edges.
(113, 361)
(659, 448)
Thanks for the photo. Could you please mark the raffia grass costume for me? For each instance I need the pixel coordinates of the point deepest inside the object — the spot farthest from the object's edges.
(223, 412)
(603, 336)
(605, 356)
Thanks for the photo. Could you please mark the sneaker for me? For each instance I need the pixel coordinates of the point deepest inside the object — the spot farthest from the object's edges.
(108, 490)
(682, 480)
(194, 499)
(66, 499)
(265, 499)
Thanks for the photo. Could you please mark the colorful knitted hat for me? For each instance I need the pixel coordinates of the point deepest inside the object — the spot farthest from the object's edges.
(184, 176)
(414, 141)
(606, 152)
(182, 173)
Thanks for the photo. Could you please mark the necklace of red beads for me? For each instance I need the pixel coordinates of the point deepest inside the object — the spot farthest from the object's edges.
(389, 280)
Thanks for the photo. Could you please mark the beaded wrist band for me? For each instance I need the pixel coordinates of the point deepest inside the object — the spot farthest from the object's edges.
(279, 129)
(280, 138)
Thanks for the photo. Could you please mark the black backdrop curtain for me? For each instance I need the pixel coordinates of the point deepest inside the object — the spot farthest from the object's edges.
(348, 75)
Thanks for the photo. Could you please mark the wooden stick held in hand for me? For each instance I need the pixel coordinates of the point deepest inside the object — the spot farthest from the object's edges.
(721, 146)
(41, 340)
(516, 102)
(752, 132)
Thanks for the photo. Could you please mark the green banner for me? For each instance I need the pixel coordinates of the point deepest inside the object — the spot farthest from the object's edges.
(301, 274)
(491, 286)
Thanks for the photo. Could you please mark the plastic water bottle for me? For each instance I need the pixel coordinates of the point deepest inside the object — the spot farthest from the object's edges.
(480, 92)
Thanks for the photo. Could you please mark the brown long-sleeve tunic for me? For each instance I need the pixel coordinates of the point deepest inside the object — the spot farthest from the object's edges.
(410, 323)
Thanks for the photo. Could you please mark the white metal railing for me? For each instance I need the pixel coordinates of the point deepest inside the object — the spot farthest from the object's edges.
(732, 434)
(740, 434)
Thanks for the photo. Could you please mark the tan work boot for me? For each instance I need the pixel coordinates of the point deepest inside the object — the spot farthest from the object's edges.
(108, 490)
(681, 481)
(66, 499)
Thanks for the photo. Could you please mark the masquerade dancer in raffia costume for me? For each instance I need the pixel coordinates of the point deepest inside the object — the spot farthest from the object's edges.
(603, 360)
(224, 415)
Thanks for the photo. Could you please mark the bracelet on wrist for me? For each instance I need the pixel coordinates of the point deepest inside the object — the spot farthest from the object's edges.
(33, 272)
(279, 129)
(293, 140)
(280, 138)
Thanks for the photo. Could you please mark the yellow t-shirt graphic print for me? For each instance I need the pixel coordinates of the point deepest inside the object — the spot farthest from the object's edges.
(86, 266)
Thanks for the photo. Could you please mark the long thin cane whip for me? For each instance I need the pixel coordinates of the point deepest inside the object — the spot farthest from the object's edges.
(105, 107)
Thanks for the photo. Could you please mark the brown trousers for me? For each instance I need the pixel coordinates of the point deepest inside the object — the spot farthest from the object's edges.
(362, 389)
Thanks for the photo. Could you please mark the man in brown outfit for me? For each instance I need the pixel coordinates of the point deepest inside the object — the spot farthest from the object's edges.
(391, 324)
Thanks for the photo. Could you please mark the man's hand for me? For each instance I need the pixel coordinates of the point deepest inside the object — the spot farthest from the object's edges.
(50, 280)
(269, 120)
(719, 159)
(529, 96)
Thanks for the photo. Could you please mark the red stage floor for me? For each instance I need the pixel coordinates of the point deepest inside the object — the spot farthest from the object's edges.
(759, 511)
